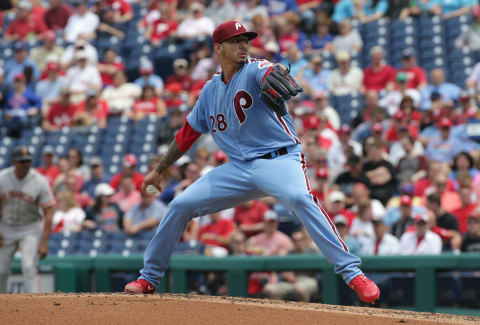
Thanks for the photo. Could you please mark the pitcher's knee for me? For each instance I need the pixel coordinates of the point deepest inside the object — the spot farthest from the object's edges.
(298, 198)
(181, 207)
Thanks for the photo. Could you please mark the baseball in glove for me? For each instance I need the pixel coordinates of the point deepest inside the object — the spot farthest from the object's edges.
(277, 87)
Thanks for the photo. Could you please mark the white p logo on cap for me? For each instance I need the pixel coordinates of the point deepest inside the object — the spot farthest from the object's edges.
(238, 25)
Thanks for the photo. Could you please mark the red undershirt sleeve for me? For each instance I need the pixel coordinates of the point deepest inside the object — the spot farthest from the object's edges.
(186, 137)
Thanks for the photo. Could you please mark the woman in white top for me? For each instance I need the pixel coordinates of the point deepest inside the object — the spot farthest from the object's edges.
(69, 216)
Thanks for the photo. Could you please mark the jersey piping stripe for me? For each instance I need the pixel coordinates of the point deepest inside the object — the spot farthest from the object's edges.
(315, 200)
(285, 127)
(266, 74)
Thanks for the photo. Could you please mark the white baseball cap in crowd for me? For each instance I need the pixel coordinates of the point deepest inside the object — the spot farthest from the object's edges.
(336, 196)
(270, 215)
(340, 219)
(103, 189)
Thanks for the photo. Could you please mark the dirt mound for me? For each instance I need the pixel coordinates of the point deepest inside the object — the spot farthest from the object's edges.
(104, 308)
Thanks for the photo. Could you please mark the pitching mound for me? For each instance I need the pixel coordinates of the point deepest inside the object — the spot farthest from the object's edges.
(198, 310)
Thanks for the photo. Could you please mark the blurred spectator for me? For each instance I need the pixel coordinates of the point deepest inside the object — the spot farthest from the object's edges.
(75, 157)
(380, 173)
(108, 26)
(49, 51)
(56, 16)
(60, 113)
(322, 39)
(48, 168)
(237, 243)
(127, 195)
(147, 77)
(97, 176)
(73, 183)
(4, 88)
(19, 63)
(444, 219)
(471, 240)
(148, 104)
(335, 204)
(68, 215)
(348, 40)
(346, 78)
(360, 192)
(289, 34)
(378, 75)
(270, 241)
(371, 105)
(111, 64)
(373, 128)
(205, 65)
(362, 226)
(80, 45)
(104, 214)
(341, 225)
(294, 59)
(191, 174)
(322, 108)
(343, 10)
(249, 217)
(65, 169)
(145, 216)
(265, 35)
(371, 10)
(91, 112)
(470, 38)
(416, 76)
(450, 9)
(351, 176)
(121, 95)
(248, 9)
(398, 9)
(313, 77)
(165, 134)
(220, 11)
(202, 159)
(181, 76)
(83, 77)
(382, 243)
(196, 24)
(122, 10)
(24, 25)
(399, 227)
(82, 22)
(301, 284)
(438, 85)
(163, 27)
(411, 164)
(129, 168)
(279, 10)
(340, 152)
(50, 89)
(422, 241)
(469, 202)
(394, 98)
(22, 108)
(322, 188)
(464, 163)
(218, 231)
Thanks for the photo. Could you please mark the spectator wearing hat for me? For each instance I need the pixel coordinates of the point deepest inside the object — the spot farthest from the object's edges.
(406, 219)
(470, 38)
(378, 75)
(68, 58)
(56, 16)
(351, 176)
(336, 203)
(147, 77)
(50, 89)
(217, 231)
(49, 51)
(220, 11)
(394, 98)
(129, 168)
(471, 240)
(82, 22)
(348, 40)
(377, 123)
(19, 63)
(104, 214)
(92, 111)
(60, 113)
(322, 188)
(48, 168)
(341, 225)
(145, 216)
(382, 243)
(111, 64)
(401, 125)
(469, 201)
(438, 85)
(121, 95)
(422, 241)
(97, 176)
(416, 76)
(249, 217)
(346, 79)
(314, 77)
(196, 24)
(181, 75)
(163, 27)
(148, 104)
(83, 77)
(25, 23)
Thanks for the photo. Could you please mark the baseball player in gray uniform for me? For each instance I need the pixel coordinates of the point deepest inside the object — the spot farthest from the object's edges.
(26, 205)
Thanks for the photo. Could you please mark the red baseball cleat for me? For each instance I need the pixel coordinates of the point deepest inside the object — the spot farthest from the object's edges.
(365, 288)
(139, 286)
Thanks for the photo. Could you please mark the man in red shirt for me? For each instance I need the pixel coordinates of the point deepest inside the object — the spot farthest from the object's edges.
(379, 75)
(110, 66)
(24, 23)
(322, 188)
(468, 206)
(417, 77)
(218, 231)
(181, 76)
(249, 217)
(123, 10)
(163, 26)
(336, 204)
(129, 168)
(56, 17)
(60, 113)
(49, 169)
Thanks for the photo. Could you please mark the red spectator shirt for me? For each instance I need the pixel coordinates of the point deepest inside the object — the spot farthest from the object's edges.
(107, 79)
(378, 80)
(57, 18)
(101, 111)
(462, 216)
(38, 12)
(223, 227)
(415, 75)
(250, 215)
(137, 180)
(50, 173)
(147, 106)
(60, 115)
(185, 81)
(162, 28)
(22, 28)
(119, 5)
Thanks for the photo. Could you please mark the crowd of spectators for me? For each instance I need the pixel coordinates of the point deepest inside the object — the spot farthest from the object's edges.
(402, 178)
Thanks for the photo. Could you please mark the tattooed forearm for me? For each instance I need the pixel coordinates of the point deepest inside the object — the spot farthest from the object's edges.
(172, 155)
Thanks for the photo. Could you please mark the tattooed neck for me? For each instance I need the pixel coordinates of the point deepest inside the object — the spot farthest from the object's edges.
(172, 155)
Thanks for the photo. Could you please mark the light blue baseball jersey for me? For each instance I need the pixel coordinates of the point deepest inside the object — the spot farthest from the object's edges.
(241, 124)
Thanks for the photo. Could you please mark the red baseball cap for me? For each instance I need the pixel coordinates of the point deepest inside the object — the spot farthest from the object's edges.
(230, 29)
(471, 113)
(405, 200)
(345, 129)
(445, 123)
(52, 66)
(219, 156)
(377, 127)
(130, 160)
(321, 173)
(311, 122)
(49, 35)
(19, 76)
(399, 115)
(422, 217)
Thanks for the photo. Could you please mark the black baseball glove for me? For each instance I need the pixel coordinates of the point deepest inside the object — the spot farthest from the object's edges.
(278, 86)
